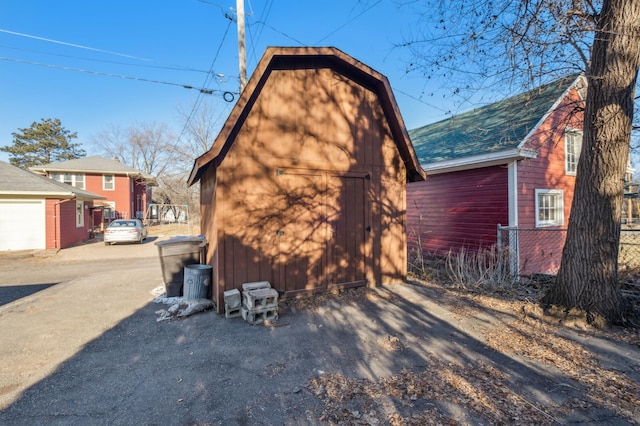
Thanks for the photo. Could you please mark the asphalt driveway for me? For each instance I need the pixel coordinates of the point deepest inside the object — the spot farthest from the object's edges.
(82, 346)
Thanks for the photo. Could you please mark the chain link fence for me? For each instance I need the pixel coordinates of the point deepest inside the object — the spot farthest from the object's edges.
(170, 219)
(533, 251)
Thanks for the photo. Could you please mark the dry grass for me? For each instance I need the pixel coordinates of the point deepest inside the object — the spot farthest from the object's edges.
(173, 229)
(480, 390)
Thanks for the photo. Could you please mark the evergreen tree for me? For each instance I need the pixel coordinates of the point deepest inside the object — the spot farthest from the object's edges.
(42, 143)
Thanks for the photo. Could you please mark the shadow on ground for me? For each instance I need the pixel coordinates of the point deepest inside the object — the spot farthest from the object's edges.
(11, 293)
(385, 357)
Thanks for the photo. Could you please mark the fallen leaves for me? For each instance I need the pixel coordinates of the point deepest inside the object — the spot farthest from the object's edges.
(478, 390)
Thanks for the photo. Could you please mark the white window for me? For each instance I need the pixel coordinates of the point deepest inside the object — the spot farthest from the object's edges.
(74, 179)
(549, 207)
(110, 209)
(572, 147)
(108, 182)
(79, 214)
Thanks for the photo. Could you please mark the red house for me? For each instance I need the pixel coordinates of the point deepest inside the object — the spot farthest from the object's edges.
(511, 163)
(127, 191)
(38, 213)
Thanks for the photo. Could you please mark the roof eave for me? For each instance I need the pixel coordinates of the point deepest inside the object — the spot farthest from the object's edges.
(478, 161)
(45, 194)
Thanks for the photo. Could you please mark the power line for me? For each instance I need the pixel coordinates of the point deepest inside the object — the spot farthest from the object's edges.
(206, 81)
(280, 32)
(170, 67)
(93, 49)
(146, 80)
(418, 99)
(79, 46)
(349, 21)
(212, 4)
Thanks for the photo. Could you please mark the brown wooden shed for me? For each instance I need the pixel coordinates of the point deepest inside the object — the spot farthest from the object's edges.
(304, 186)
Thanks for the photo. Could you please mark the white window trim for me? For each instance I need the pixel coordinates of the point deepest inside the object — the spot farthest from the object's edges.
(113, 183)
(559, 208)
(570, 131)
(79, 214)
(59, 177)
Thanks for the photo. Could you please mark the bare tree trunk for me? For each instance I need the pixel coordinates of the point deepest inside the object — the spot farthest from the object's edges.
(588, 276)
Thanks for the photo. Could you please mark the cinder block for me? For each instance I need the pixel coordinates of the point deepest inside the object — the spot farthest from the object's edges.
(260, 299)
(232, 298)
(232, 312)
(255, 285)
(253, 317)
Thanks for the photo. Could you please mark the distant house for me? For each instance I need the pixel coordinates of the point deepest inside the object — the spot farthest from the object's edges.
(127, 191)
(39, 213)
(511, 163)
(304, 186)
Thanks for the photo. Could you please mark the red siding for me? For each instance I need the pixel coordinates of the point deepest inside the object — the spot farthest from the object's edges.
(130, 196)
(61, 229)
(541, 251)
(51, 224)
(458, 209)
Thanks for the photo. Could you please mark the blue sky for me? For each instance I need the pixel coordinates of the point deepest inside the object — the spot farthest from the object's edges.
(135, 57)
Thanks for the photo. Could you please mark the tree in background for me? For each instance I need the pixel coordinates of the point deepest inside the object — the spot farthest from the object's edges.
(520, 41)
(147, 147)
(152, 148)
(42, 143)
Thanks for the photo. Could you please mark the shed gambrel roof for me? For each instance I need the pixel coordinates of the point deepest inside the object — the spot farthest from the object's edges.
(276, 58)
(94, 164)
(17, 182)
(497, 130)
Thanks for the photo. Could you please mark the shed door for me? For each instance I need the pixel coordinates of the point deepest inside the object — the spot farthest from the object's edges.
(302, 235)
(22, 225)
(322, 240)
(348, 230)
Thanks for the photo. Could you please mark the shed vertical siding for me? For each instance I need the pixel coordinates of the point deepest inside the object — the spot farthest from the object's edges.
(310, 194)
(458, 209)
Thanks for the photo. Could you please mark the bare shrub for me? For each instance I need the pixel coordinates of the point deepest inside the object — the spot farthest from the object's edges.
(416, 255)
(482, 267)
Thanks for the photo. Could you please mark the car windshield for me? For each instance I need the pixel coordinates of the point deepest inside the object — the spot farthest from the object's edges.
(123, 224)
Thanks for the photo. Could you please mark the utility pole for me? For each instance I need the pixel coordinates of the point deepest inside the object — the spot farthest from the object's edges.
(242, 54)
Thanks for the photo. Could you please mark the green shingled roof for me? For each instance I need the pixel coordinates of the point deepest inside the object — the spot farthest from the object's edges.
(493, 128)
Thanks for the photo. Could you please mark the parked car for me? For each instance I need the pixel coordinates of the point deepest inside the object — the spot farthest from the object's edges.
(125, 231)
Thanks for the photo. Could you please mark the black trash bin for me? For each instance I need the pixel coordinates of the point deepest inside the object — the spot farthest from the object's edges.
(176, 253)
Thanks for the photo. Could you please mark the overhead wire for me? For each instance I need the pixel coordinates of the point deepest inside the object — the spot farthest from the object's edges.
(349, 21)
(160, 65)
(254, 39)
(147, 80)
(166, 67)
(206, 81)
(79, 46)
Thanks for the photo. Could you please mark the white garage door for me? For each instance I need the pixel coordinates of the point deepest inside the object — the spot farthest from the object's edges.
(22, 225)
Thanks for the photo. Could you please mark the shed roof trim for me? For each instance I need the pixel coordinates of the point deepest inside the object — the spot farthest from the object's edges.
(306, 57)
